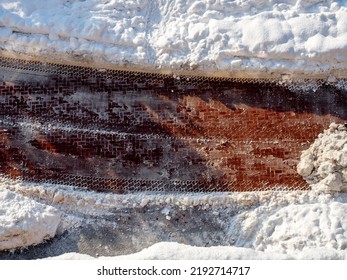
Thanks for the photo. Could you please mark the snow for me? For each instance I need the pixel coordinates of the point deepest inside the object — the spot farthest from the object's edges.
(176, 251)
(24, 222)
(269, 225)
(266, 225)
(324, 164)
(219, 37)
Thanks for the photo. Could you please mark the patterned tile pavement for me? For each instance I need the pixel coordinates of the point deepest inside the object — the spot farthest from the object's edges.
(124, 131)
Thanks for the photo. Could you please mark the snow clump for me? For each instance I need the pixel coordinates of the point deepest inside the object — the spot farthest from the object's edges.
(324, 164)
(25, 222)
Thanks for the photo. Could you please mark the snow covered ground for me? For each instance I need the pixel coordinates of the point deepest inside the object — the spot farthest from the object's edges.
(264, 225)
(221, 37)
(176, 251)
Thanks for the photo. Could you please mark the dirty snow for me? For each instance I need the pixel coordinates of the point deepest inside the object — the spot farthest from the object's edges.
(220, 36)
(324, 164)
(25, 222)
(266, 225)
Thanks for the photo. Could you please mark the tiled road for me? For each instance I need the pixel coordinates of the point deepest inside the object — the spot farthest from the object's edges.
(126, 131)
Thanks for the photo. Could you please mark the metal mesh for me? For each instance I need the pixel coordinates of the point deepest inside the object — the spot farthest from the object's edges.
(53, 131)
(140, 78)
(137, 185)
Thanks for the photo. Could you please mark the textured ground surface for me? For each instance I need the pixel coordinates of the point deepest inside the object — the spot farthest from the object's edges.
(250, 225)
(131, 230)
(127, 131)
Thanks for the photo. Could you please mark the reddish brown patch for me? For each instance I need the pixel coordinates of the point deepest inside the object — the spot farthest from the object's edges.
(124, 132)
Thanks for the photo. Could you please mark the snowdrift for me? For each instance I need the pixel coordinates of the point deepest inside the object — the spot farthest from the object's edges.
(214, 37)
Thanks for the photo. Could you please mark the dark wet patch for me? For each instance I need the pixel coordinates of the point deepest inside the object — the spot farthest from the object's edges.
(130, 230)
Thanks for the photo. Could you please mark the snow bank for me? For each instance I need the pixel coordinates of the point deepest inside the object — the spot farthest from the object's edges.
(24, 222)
(219, 36)
(277, 226)
(324, 164)
(294, 228)
(175, 251)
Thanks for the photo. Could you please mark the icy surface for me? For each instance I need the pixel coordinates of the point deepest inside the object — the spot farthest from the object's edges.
(324, 164)
(206, 35)
(25, 222)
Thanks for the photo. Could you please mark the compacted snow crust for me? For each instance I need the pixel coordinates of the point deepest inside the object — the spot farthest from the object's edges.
(25, 222)
(207, 35)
